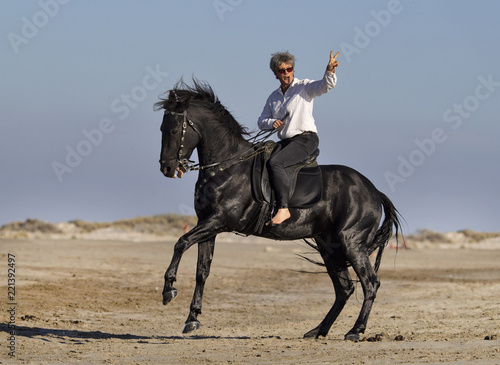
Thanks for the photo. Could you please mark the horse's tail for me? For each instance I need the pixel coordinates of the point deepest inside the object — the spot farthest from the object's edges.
(385, 232)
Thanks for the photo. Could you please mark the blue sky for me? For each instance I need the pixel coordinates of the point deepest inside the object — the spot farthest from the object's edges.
(416, 108)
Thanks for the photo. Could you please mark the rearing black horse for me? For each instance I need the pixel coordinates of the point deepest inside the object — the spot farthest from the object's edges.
(345, 224)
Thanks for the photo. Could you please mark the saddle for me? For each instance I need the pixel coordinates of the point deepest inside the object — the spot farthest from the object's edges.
(305, 184)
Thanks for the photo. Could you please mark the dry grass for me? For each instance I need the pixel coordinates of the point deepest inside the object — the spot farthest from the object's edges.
(157, 225)
(468, 235)
(31, 226)
(430, 236)
(87, 227)
(474, 236)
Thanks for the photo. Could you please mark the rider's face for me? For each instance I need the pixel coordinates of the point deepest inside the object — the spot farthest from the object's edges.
(285, 74)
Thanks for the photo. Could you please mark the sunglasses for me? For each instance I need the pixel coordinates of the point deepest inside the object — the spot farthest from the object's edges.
(282, 71)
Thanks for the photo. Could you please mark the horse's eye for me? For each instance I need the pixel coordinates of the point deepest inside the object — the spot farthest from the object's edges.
(173, 131)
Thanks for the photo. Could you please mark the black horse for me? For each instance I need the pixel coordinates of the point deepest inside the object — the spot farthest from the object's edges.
(344, 225)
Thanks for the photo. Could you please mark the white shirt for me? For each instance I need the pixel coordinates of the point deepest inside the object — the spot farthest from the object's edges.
(297, 102)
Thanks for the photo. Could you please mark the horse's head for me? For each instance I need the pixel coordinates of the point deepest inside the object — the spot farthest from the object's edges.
(179, 137)
(190, 113)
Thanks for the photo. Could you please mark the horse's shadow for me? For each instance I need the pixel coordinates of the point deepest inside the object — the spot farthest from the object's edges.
(77, 335)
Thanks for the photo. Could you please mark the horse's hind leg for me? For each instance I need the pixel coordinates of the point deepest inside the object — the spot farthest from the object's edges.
(336, 266)
(361, 264)
(205, 256)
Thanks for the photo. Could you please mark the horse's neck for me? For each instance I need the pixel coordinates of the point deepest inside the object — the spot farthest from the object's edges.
(213, 151)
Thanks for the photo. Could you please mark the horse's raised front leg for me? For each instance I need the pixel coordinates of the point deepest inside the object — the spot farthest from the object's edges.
(169, 292)
(200, 233)
(205, 256)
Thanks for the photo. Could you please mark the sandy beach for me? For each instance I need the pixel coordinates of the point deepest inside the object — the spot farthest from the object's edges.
(99, 302)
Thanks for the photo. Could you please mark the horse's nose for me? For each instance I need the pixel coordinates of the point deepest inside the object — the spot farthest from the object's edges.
(166, 169)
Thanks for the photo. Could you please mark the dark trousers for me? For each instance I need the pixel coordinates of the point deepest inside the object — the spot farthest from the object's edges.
(293, 151)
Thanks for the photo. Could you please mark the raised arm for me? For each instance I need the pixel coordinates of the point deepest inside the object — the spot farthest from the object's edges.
(319, 87)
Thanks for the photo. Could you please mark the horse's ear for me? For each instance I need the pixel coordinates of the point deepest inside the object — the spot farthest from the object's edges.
(172, 96)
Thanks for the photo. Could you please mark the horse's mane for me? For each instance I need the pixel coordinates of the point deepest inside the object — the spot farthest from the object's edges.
(201, 94)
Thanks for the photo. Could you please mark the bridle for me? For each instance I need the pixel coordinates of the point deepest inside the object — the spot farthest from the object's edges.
(187, 165)
(184, 163)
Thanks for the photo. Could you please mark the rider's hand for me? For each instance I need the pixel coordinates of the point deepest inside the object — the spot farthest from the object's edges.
(332, 65)
(278, 123)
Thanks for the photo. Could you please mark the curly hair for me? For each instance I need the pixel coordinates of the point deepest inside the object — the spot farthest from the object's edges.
(281, 57)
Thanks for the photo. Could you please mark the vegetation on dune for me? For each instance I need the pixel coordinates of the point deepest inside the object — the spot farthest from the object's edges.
(31, 226)
(438, 237)
(175, 224)
(474, 236)
(158, 225)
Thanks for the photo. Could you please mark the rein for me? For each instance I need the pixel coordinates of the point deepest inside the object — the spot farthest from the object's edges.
(188, 165)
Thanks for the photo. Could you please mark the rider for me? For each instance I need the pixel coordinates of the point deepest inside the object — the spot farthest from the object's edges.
(291, 106)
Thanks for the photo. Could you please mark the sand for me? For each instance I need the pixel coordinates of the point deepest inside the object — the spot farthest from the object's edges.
(99, 302)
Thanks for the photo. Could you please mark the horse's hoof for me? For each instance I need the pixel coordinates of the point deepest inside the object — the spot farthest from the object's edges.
(352, 337)
(168, 296)
(191, 326)
(312, 333)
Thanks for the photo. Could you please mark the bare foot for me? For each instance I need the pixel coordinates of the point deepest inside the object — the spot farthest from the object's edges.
(282, 215)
